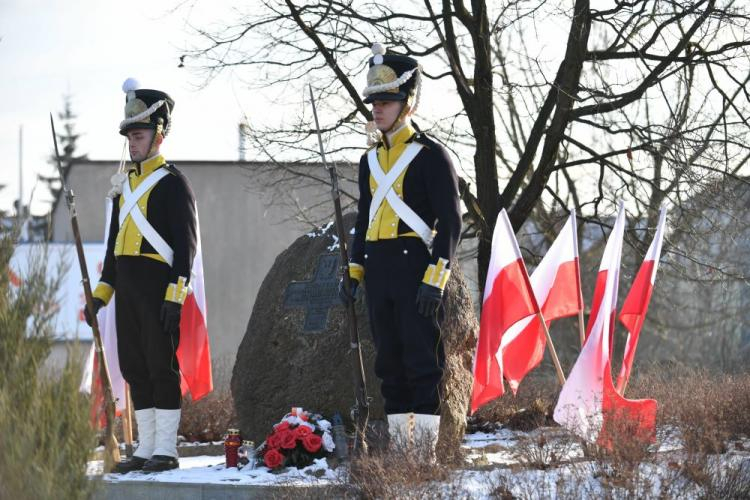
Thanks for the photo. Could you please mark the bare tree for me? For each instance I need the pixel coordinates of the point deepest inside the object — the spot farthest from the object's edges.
(556, 105)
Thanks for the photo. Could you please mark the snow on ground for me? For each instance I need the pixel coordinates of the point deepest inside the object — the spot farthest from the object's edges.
(544, 463)
(506, 447)
(547, 464)
(211, 470)
(503, 437)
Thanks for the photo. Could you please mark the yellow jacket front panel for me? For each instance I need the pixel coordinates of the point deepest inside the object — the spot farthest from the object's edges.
(384, 225)
(129, 237)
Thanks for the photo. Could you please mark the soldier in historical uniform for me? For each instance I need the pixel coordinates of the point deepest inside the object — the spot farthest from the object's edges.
(150, 251)
(407, 229)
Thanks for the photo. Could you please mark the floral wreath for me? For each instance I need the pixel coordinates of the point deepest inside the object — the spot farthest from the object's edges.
(297, 440)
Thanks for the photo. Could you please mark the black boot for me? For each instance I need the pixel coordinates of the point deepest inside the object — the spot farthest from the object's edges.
(159, 463)
(130, 464)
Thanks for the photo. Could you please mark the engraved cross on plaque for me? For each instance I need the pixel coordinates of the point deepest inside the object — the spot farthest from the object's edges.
(317, 296)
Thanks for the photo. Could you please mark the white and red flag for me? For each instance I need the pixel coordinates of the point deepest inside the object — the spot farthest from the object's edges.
(609, 266)
(193, 352)
(557, 288)
(634, 308)
(588, 404)
(508, 298)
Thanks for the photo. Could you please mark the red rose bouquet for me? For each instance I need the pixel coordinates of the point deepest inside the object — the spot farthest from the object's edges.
(296, 441)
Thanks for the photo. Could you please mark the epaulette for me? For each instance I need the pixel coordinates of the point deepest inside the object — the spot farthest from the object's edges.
(425, 140)
(171, 168)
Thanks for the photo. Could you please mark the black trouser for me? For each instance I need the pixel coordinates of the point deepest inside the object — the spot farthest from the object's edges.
(409, 356)
(148, 356)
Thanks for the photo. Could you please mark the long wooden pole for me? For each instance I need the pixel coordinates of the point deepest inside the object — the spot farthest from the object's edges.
(621, 388)
(581, 332)
(361, 409)
(127, 423)
(552, 351)
(111, 448)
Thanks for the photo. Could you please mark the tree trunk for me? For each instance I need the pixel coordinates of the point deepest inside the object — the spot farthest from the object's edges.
(483, 126)
(569, 77)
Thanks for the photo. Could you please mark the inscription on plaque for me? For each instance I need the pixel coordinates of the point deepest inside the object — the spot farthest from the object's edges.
(318, 295)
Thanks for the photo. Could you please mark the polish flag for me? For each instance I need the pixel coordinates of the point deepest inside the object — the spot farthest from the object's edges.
(588, 404)
(556, 284)
(636, 303)
(601, 279)
(508, 299)
(193, 352)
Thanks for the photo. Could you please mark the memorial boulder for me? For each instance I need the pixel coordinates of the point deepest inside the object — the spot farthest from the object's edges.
(295, 351)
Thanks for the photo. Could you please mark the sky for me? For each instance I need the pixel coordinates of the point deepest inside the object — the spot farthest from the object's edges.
(87, 48)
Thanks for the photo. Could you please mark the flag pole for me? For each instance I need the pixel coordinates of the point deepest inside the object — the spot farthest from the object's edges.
(581, 332)
(621, 387)
(127, 423)
(552, 351)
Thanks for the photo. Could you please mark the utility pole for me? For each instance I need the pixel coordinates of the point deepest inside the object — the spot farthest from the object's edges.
(242, 130)
(19, 209)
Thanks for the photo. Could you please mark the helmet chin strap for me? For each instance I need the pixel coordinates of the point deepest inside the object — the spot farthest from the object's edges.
(402, 117)
(400, 120)
(151, 150)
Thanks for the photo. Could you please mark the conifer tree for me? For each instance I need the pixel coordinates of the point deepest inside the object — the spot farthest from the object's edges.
(67, 140)
(45, 434)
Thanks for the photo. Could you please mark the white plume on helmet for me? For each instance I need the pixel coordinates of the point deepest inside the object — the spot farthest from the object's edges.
(378, 51)
(129, 86)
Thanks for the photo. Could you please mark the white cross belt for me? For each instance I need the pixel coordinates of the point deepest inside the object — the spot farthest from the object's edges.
(385, 191)
(130, 207)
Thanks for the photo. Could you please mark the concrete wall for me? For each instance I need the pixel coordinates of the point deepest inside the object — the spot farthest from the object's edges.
(241, 236)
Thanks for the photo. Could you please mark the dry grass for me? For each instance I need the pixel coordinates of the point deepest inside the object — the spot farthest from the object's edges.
(708, 409)
(527, 410)
(406, 473)
(209, 418)
(730, 483)
(704, 410)
(542, 451)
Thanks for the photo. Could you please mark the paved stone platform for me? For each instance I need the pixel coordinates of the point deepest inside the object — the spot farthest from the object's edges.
(206, 477)
(143, 490)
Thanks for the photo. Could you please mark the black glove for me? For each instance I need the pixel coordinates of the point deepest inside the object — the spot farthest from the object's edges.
(98, 304)
(170, 317)
(348, 297)
(428, 299)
